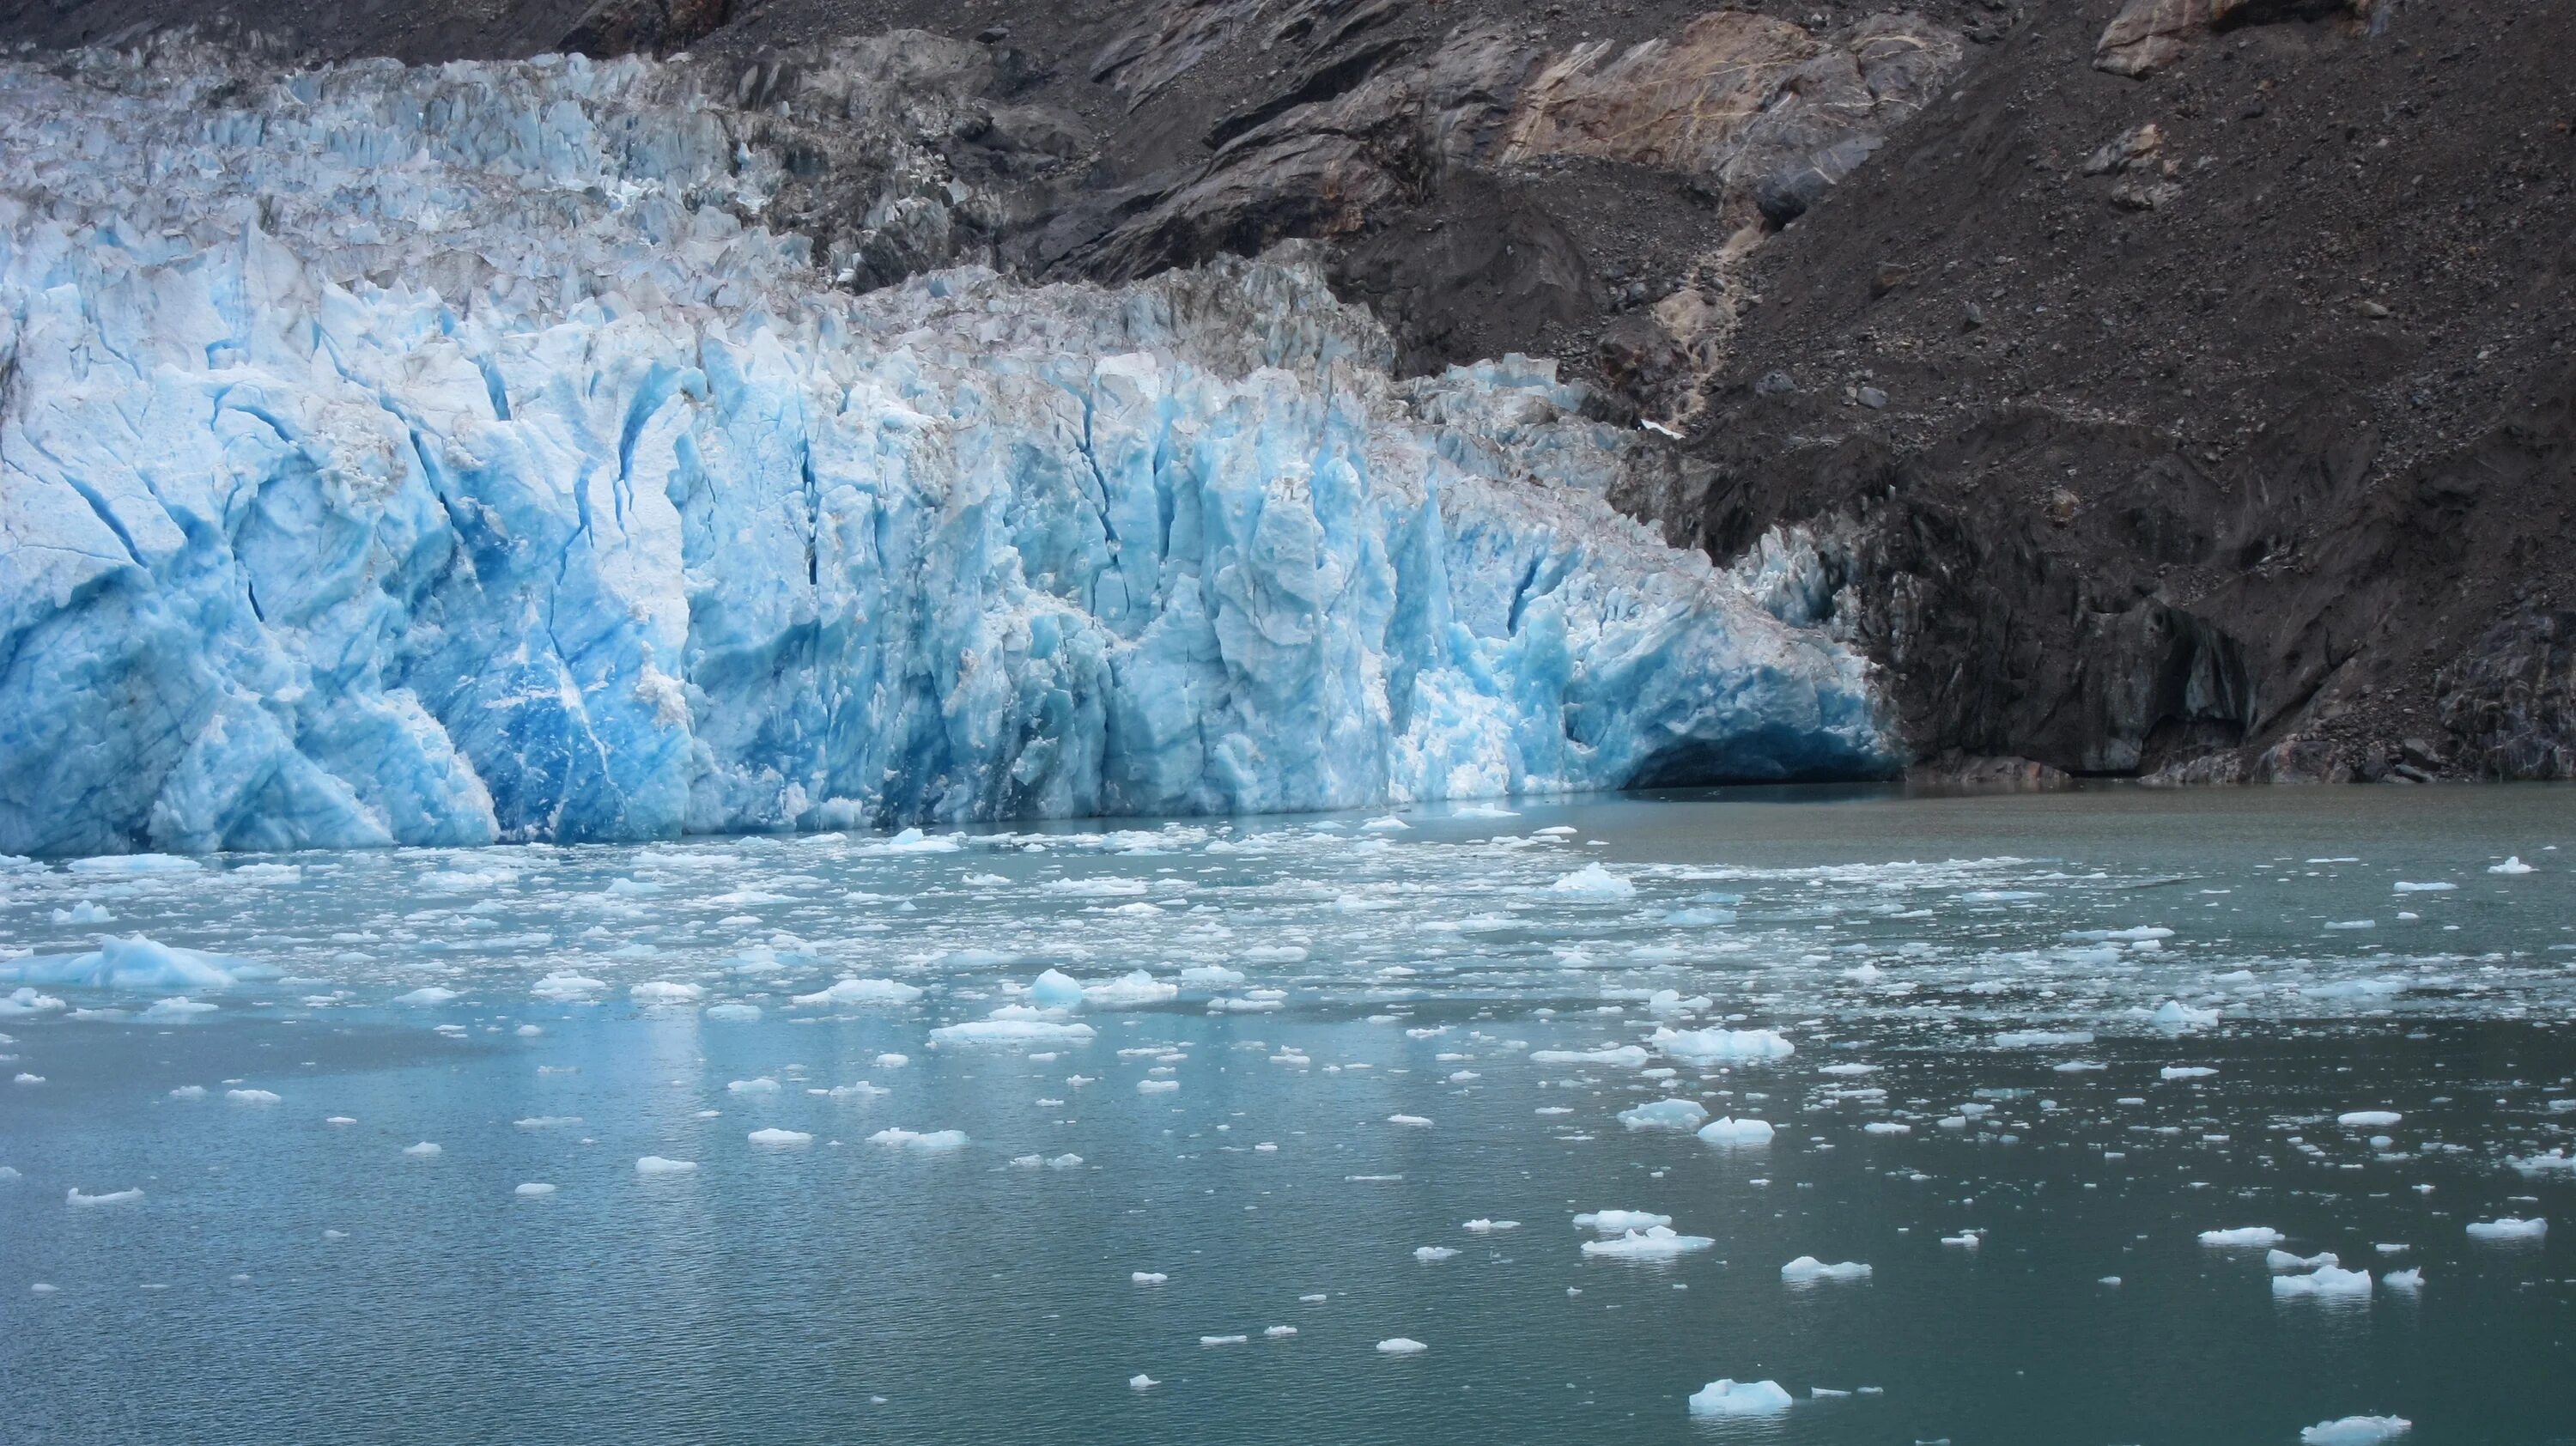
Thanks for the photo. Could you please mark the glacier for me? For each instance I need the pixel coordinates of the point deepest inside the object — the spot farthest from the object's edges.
(450, 455)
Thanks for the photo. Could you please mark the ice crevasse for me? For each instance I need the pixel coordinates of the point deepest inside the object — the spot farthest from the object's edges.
(446, 455)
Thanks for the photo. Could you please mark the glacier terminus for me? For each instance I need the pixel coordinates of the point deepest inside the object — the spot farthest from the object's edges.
(440, 456)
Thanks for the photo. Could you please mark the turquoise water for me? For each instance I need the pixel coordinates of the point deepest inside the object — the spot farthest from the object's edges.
(285, 1278)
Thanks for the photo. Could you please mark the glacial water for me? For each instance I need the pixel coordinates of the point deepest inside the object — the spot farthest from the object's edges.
(2035, 1045)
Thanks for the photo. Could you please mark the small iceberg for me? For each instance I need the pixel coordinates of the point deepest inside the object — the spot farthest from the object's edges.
(1739, 1398)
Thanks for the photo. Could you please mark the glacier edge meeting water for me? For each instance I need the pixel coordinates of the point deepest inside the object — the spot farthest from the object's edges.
(437, 456)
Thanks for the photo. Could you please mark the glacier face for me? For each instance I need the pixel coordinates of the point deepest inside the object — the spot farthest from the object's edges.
(437, 456)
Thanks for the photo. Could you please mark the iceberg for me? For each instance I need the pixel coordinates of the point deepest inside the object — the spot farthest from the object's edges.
(1655, 1242)
(435, 456)
(2356, 1431)
(1730, 1130)
(1719, 1046)
(850, 992)
(1739, 1398)
(134, 965)
(1672, 1114)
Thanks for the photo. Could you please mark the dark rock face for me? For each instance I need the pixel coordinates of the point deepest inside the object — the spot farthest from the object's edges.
(2173, 388)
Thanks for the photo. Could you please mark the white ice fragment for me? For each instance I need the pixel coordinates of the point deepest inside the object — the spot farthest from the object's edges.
(1614, 1222)
(928, 1142)
(2508, 1228)
(657, 1165)
(1415, 1121)
(1714, 1046)
(2368, 1119)
(421, 1151)
(1482, 1226)
(764, 1085)
(1739, 1398)
(1671, 1114)
(1729, 1130)
(2326, 1281)
(1433, 1254)
(2513, 864)
(252, 1097)
(109, 1197)
(1401, 1346)
(1141, 1382)
(1808, 1267)
(1223, 1340)
(2249, 1236)
(775, 1136)
(1655, 1242)
(1157, 1086)
(2356, 1431)
(1627, 1055)
(852, 992)
(2186, 1071)
(2403, 1279)
(534, 1189)
(427, 996)
(566, 986)
(664, 991)
(1594, 882)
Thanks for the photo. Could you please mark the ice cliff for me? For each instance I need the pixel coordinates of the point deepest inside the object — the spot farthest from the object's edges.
(448, 455)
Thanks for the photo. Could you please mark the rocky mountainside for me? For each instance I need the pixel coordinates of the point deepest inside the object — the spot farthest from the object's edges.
(2177, 388)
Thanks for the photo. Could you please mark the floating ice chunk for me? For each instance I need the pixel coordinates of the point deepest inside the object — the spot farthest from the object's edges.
(1210, 976)
(2326, 1281)
(1655, 1242)
(734, 1012)
(1147, 1277)
(1482, 1226)
(1157, 1086)
(87, 911)
(657, 1165)
(664, 991)
(1401, 1346)
(1594, 882)
(1627, 1055)
(852, 992)
(1615, 1222)
(2079, 1066)
(914, 841)
(1808, 1267)
(252, 1097)
(426, 996)
(2508, 1228)
(135, 864)
(1127, 991)
(1141, 1382)
(566, 986)
(2141, 934)
(2513, 864)
(1223, 1340)
(1729, 1130)
(764, 1085)
(2356, 1431)
(22, 1001)
(2557, 1160)
(339, 1120)
(2041, 1038)
(535, 1189)
(1713, 1046)
(1665, 1115)
(2284, 1260)
(1056, 989)
(177, 1007)
(1416, 1121)
(1010, 1031)
(1739, 1398)
(892, 1061)
(189, 1092)
(1433, 1254)
(136, 964)
(2176, 1017)
(926, 1141)
(2354, 924)
(775, 1136)
(2368, 1119)
(546, 1122)
(110, 1197)
(1278, 1332)
(2248, 1236)
(422, 1151)
(1886, 1127)
(1965, 1239)
(2186, 1071)
(2403, 1279)
(1848, 1069)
